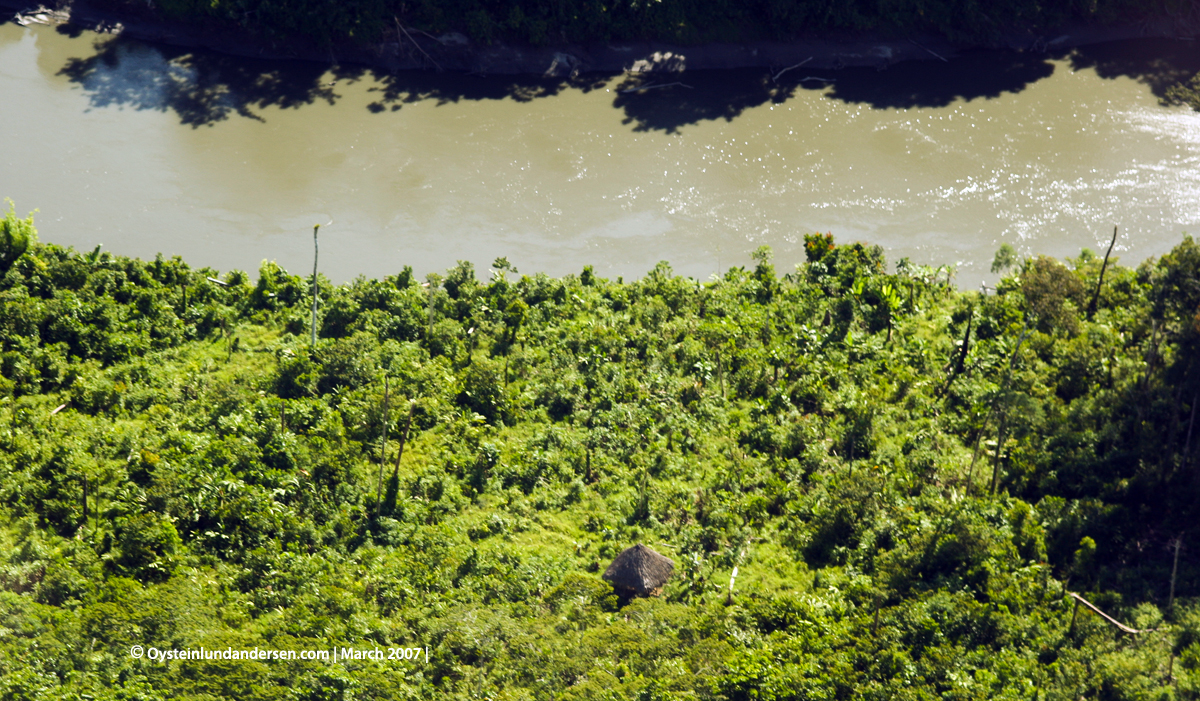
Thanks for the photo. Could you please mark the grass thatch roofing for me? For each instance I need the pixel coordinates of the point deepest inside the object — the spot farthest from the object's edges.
(639, 570)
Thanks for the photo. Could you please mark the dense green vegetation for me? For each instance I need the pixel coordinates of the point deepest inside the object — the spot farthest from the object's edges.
(1185, 93)
(539, 23)
(909, 479)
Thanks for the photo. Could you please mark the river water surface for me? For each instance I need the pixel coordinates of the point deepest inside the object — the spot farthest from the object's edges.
(228, 162)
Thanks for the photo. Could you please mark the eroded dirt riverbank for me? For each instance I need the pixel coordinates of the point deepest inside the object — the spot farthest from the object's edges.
(408, 49)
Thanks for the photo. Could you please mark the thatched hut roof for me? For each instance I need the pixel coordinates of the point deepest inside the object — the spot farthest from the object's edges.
(639, 571)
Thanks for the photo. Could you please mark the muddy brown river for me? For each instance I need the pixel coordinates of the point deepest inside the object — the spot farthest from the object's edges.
(227, 162)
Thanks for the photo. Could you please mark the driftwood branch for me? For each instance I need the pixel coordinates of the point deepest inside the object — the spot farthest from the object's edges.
(931, 52)
(422, 32)
(39, 15)
(626, 91)
(775, 78)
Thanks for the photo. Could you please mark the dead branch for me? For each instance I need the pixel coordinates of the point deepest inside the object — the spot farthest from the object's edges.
(931, 52)
(1123, 628)
(400, 28)
(775, 78)
(651, 87)
(1100, 283)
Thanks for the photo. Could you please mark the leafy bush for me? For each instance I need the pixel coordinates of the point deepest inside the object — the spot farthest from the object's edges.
(15, 237)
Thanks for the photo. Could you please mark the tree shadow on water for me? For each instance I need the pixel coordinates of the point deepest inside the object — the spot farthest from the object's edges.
(202, 88)
(914, 84)
(666, 102)
(657, 102)
(1157, 63)
(394, 90)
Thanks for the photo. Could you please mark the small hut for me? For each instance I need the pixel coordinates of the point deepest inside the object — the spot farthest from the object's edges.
(639, 571)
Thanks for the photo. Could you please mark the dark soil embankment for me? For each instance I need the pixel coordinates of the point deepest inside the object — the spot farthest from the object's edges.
(406, 48)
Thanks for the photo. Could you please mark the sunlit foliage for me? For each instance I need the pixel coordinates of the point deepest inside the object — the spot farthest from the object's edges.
(908, 478)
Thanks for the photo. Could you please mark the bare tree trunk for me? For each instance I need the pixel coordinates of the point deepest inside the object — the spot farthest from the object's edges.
(382, 449)
(1187, 445)
(1099, 283)
(1003, 389)
(1174, 570)
(1174, 425)
(966, 343)
(721, 374)
(733, 576)
(1152, 356)
(429, 334)
(404, 436)
(1000, 438)
(316, 251)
